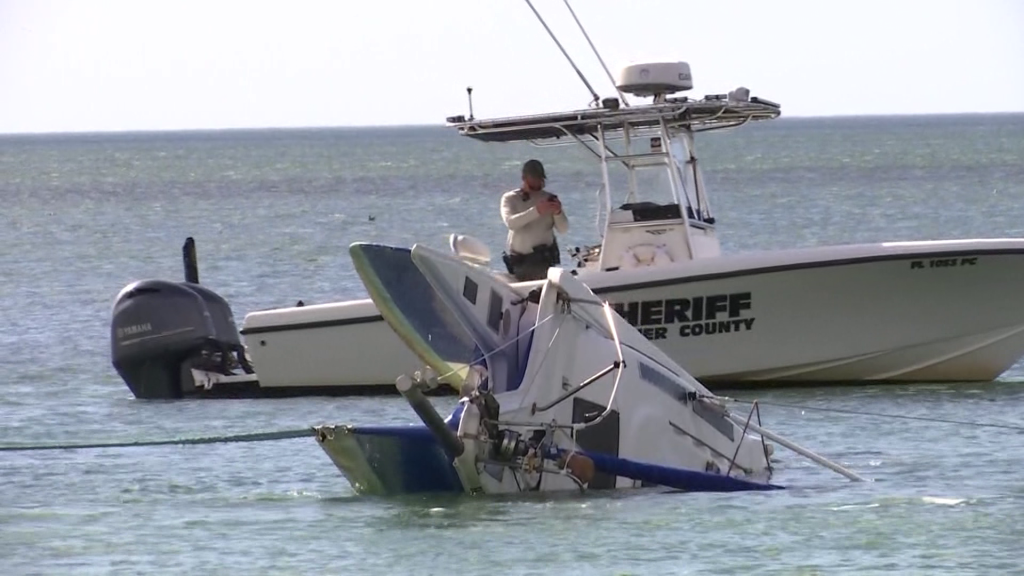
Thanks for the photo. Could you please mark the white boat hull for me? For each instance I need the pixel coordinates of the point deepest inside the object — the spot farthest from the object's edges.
(874, 320)
(905, 312)
(342, 345)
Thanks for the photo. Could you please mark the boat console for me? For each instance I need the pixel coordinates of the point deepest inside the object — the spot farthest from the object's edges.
(644, 234)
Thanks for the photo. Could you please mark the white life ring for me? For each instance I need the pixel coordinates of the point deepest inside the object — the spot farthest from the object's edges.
(643, 255)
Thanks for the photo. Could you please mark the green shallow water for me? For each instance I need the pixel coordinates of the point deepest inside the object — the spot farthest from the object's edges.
(273, 213)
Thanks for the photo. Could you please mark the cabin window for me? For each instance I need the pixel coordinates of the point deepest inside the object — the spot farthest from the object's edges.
(469, 290)
(494, 311)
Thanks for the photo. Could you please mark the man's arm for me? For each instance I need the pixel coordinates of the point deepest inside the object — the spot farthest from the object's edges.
(512, 220)
(561, 220)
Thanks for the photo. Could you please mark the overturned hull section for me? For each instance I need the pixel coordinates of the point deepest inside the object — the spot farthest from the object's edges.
(390, 460)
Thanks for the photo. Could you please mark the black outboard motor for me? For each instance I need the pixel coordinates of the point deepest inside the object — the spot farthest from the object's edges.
(161, 330)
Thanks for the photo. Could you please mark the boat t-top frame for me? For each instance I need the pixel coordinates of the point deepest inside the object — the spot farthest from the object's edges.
(669, 122)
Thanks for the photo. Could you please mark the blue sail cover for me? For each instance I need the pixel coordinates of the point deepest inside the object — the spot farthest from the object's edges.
(678, 478)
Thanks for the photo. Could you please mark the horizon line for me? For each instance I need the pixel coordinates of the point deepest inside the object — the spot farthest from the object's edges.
(443, 125)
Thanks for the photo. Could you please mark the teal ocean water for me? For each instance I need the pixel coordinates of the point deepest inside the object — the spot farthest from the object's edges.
(273, 212)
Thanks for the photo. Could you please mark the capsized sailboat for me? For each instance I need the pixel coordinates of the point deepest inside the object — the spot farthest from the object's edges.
(558, 392)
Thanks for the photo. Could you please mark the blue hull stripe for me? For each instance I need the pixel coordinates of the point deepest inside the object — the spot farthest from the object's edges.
(678, 478)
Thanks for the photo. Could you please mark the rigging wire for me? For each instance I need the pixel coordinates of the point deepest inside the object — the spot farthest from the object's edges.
(611, 79)
(876, 414)
(566, 54)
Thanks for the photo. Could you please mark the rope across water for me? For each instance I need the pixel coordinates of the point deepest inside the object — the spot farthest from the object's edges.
(310, 432)
(226, 439)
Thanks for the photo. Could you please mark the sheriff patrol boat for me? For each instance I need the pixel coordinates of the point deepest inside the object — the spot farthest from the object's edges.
(892, 311)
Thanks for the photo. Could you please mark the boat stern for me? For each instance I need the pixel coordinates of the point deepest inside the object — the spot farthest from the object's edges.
(389, 460)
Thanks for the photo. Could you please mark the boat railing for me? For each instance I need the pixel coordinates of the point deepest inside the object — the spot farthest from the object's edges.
(608, 137)
(585, 255)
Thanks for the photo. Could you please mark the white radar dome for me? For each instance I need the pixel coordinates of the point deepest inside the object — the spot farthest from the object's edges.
(656, 78)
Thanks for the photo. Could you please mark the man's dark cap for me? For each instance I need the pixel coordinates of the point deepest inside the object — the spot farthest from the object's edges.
(534, 168)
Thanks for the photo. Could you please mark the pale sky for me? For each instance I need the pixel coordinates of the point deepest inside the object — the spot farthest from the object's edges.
(87, 65)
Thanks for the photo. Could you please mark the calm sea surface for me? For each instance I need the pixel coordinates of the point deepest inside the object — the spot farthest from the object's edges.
(273, 213)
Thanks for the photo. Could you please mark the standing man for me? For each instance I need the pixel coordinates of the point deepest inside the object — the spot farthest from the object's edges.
(532, 215)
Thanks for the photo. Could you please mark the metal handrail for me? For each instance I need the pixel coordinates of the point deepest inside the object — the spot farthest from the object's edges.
(575, 390)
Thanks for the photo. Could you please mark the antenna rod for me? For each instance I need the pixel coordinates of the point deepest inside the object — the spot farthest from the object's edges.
(596, 53)
(564, 53)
